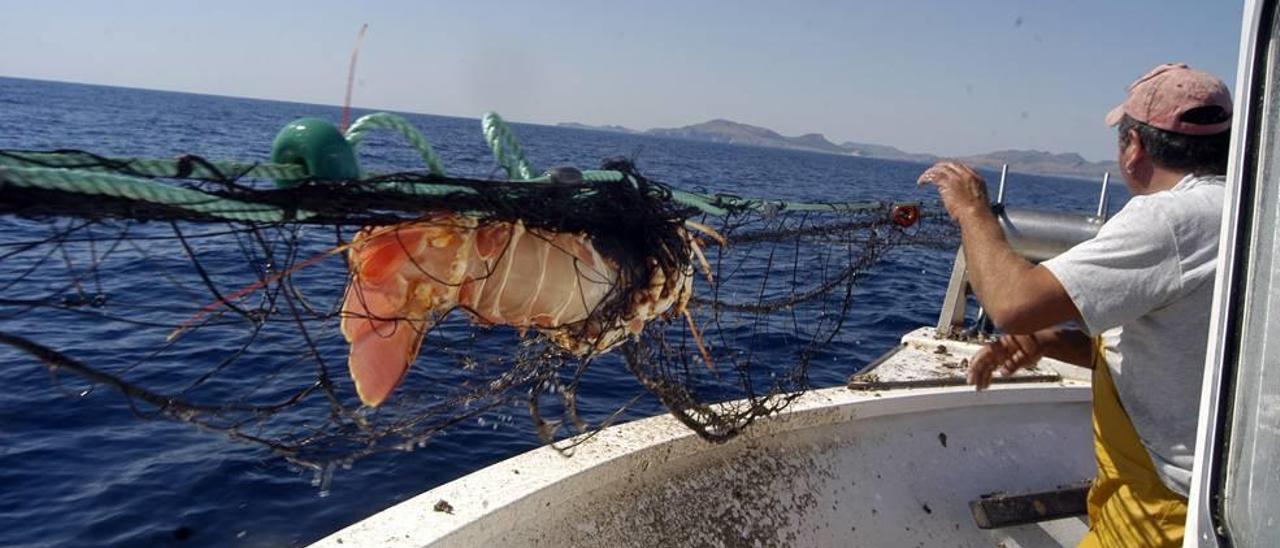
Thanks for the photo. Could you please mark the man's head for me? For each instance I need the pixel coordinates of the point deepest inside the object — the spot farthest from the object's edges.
(1176, 120)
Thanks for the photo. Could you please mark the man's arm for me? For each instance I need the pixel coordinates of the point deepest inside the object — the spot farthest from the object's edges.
(1018, 296)
(1010, 353)
(1067, 345)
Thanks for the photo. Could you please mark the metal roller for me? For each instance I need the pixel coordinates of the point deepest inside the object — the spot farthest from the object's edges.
(1039, 235)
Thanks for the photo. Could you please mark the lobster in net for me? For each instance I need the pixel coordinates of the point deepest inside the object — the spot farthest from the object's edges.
(586, 294)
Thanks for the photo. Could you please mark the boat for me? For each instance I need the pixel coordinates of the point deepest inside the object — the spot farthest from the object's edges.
(907, 454)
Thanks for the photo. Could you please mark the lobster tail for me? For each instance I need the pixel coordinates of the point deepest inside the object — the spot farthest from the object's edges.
(401, 280)
(383, 342)
(380, 357)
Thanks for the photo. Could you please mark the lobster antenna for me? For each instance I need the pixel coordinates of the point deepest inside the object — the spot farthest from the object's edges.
(351, 78)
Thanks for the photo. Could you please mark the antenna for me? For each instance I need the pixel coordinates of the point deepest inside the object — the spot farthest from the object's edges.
(351, 79)
(1004, 172)
(1102, 200)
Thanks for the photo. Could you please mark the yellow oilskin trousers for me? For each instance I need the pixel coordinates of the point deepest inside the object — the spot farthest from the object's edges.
(1129, 506)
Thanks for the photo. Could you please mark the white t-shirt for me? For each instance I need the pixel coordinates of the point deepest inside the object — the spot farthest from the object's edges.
(1145, 283)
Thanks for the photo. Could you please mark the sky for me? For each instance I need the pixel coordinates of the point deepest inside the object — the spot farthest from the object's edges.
(948, 77)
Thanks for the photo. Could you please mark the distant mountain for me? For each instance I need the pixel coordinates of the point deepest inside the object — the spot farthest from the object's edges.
(1067, 164)
(885, 152)
(736, 133)
(610, 128)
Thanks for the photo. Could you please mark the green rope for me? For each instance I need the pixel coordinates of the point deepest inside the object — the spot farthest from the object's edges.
(588, 176)
(506, 150)
(384, 120)
(82, 173)
(420, 189)
(145, 190)
(95, 182)
(86, 182)
(152, 167)
(722, 204)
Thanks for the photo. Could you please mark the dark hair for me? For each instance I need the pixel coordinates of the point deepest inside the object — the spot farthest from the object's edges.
(1198, 154)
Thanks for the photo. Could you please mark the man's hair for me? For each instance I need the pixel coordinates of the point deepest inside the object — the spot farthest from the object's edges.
(1198, 154)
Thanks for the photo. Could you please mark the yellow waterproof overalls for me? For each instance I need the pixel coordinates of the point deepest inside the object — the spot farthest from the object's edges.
(1128, 504)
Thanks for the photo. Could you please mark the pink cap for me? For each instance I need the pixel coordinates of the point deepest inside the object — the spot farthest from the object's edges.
(1162, 96)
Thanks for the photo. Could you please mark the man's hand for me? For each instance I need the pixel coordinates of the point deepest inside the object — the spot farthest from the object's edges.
(963, 191)
(1008, 354)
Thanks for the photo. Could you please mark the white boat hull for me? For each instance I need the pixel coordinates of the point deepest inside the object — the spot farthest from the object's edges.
(838, 468)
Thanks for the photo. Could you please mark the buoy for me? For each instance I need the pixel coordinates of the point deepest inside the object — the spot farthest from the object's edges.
(905, 215)
(317, 145)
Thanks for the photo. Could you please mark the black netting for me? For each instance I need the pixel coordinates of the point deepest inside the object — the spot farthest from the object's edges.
(238, 327)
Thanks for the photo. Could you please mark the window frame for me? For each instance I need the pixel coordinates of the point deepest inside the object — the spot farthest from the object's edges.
(1206, 523)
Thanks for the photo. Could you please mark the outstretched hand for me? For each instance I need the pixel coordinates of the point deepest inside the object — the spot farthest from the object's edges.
(962, 190)
(1009, 353)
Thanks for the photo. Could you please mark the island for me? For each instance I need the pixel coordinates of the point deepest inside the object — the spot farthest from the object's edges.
(1034, 162)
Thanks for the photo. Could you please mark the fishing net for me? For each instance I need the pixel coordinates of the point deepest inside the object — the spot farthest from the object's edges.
(227, 295)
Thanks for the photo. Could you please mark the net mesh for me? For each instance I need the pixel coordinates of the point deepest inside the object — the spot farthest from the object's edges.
(238, 326)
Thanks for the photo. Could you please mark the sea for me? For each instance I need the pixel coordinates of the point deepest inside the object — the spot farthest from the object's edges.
(79, 468)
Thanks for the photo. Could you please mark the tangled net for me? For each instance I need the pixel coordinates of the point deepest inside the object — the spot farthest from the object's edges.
(208, 295)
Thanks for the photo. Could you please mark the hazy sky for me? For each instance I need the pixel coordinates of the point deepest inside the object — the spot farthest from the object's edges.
(944, 76)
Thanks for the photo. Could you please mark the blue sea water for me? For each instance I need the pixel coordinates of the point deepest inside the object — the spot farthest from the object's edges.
(78, 468)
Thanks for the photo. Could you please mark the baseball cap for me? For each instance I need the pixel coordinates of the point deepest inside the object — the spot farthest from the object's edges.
(1164, 95)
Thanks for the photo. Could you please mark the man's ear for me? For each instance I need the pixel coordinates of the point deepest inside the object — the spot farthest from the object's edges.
(1134, 153)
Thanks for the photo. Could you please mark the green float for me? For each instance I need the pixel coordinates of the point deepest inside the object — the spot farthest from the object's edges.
(318, 146)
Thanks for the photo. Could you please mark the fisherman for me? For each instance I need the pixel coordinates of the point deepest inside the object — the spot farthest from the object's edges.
(1132, 303)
